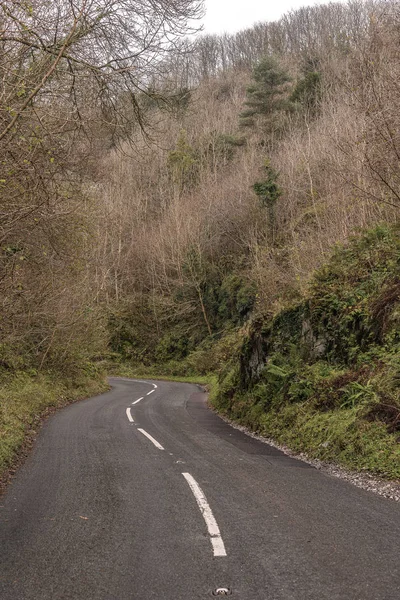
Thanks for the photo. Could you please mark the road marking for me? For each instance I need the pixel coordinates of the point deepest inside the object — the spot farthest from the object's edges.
(213, 529)
(150, 437)
(134, 380)
(128, 414)
(155, 387)
(148, 393)
(136, 401)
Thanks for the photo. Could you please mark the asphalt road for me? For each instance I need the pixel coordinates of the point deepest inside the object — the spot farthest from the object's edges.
(100, 512)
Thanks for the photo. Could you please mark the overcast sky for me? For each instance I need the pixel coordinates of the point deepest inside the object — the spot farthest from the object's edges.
(233, 15)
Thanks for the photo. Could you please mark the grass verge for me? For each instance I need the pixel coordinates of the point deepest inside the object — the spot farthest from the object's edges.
(25, 400)
(340, 436)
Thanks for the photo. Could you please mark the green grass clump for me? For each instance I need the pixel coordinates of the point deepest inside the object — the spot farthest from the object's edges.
(342, 434)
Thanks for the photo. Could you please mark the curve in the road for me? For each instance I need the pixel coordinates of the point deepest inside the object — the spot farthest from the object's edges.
(99, 512)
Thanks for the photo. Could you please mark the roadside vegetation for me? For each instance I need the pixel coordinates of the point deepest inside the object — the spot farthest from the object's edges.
(323, 375)
(209, 209)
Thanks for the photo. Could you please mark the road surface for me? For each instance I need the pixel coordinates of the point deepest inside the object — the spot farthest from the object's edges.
(143, 493)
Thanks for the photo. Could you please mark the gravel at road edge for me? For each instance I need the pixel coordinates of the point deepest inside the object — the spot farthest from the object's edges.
(367, 481)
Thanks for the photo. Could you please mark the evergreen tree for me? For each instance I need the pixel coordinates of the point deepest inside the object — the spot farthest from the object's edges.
(268, 193)
(268, 94)
(307, 93)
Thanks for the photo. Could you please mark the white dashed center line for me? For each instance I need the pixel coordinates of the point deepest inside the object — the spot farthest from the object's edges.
(212, 526)
(150, 437)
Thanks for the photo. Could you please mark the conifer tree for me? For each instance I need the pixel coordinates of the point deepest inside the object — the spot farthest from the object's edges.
(268, 94)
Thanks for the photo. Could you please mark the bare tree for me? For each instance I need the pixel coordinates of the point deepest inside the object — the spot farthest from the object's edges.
(110, 46)
(70, 75)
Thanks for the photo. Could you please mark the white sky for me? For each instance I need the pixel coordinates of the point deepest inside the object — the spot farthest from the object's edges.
(233, 15)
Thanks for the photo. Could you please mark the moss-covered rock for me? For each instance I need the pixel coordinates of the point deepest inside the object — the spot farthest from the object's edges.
(323, 376)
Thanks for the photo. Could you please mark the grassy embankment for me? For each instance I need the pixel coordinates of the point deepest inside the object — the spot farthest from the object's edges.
(327, 381)
(26, 398)
(164, 372)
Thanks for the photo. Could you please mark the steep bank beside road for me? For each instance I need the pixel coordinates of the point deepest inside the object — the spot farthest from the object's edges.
(323, 376)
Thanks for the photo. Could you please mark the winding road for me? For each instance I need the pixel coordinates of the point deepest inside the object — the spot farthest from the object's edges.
(144, 493)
